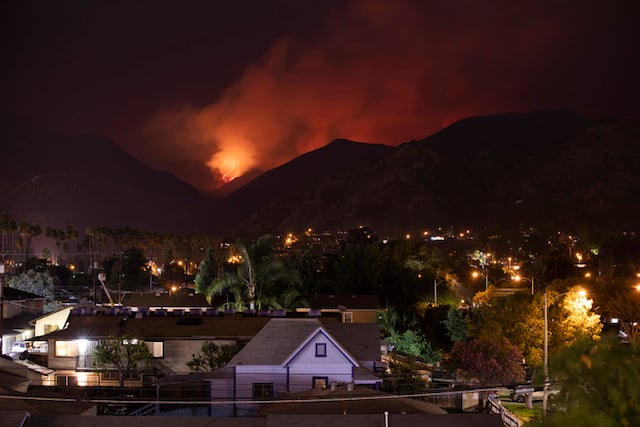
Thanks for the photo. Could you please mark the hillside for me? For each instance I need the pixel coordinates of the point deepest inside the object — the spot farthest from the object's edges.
(53, 180)
(548, 169)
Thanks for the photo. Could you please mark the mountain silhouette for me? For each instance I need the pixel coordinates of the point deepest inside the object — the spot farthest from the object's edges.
(53, 180)
(550, 169)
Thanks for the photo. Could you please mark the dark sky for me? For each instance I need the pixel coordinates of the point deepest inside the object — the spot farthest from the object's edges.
(208, 88)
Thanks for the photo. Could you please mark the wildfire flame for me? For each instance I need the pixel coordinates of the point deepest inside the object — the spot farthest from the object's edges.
(234, 159)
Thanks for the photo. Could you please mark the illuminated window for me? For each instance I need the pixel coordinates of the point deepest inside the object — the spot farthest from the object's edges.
(156, 348)
(66, 348)
(348, 317)
(320, 383)
(262, 391)
(321, 349)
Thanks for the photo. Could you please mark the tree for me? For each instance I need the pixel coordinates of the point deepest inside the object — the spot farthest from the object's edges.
(627, 309)
(39, 283)
(518, 317)
(260, 278)
(599, 385)
(129, 270)
(122, 354)
(207, 271)
(415, 344)
(576, 319)
(490, 361)
(212, 356)
(403, 375)
(456, 324)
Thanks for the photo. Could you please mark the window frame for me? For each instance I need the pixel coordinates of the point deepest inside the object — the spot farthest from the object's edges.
(321, 349)
(262, 391)
(316, 380)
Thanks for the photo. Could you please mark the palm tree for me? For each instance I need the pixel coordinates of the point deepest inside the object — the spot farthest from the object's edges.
(260, 279)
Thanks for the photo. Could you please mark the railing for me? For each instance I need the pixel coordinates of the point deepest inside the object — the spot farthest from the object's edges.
(509, 419)
(148, 409)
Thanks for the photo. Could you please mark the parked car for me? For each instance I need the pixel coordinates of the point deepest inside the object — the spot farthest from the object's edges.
(20, 347)
(520, 392)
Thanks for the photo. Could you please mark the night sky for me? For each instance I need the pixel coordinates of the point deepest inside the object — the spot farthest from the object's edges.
(210, 89)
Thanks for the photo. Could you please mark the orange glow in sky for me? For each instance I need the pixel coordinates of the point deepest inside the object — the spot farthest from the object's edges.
(234, 158)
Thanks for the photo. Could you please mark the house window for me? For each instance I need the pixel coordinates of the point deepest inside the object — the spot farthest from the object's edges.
(66, 348)
(156, 348)
(321, 349)
(348, 317)
(262, 391)
(320, 383)
(66, 380)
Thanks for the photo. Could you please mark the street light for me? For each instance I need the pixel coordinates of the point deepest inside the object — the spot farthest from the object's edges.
(545, 392)
(519, 278)
(435, 290)
(477, 274)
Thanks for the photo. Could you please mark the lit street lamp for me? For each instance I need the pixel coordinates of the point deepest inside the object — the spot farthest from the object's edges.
(545, 392)
(477, 274)
(519, 278)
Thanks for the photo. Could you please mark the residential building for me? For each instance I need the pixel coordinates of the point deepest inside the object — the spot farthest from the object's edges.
(293, 355)
(19, 309)
(173, 337)
(348, 308)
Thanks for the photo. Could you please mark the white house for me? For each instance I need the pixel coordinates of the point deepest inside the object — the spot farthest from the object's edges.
(293, 355)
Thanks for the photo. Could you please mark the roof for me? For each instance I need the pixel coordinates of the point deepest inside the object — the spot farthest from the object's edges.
(13, 418)
(280, 338)
(18, 323)
(378, 420)
(275, 342)
(13, 294)
(233, 326)
(360, 400)
(166, 301)
(274, 420)
(361, 339)
(345, 301)
(49, 404)
(150, 421)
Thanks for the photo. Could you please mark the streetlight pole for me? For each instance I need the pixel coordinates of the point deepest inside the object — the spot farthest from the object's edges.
(545, 366)
(1, 305)
(518, 278)
(486, 278)
(545, 360)
(435, 290)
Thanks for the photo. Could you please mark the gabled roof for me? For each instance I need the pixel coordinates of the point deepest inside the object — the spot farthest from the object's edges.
(321, 332)
(362, 339)
(280, 339)
(275, 342)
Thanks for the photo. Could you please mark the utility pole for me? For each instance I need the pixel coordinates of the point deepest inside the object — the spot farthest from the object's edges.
(2, 305)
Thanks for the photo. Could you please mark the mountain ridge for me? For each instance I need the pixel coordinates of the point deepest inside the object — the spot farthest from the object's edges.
(549, 168)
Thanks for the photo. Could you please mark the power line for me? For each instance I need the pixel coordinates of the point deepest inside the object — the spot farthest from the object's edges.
(247, 402)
